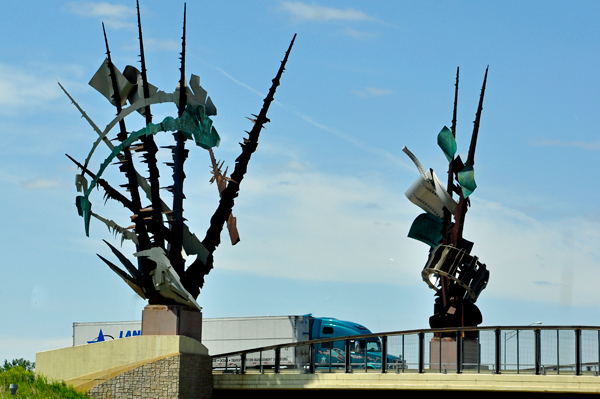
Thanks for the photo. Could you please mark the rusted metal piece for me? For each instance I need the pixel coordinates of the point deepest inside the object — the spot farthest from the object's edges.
(450, 188)
(221, 179)
(457, 277)
(463, 203)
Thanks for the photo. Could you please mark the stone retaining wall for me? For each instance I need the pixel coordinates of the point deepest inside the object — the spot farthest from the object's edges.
(183, 376)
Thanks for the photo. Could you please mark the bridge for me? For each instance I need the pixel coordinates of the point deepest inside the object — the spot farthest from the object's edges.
(495, 360)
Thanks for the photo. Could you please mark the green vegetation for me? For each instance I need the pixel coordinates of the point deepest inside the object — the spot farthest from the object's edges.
(26, 364)
(20, 372)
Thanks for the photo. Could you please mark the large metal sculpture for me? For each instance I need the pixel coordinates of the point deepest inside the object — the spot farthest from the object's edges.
(159, 231)
(457, 276)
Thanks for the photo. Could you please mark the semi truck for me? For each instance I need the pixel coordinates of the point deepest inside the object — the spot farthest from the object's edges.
(226, 335)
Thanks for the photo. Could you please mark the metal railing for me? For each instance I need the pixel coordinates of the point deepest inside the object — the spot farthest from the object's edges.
(530, 349)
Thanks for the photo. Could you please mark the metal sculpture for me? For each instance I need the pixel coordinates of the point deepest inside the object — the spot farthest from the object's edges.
(159, 232)
(457, 277)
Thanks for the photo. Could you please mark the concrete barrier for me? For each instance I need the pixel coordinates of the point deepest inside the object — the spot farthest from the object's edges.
(149, 366)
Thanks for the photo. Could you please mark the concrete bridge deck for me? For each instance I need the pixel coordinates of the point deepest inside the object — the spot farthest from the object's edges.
(227, 384)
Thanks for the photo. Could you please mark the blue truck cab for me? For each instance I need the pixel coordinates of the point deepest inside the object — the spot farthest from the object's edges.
(332, 354)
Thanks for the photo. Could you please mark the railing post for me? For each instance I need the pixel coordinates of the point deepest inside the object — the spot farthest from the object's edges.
(421, 352)
(262, 370)
(403, 357)
(330, 348)
(243, 365)
(557, 351)
(538, 351)
(277, 360)
(384, 350)
(347, 360)
(577, 351)
(226, 363)
(366, 358)
(312, 359)
(478, 351)
(458, 352)
(517, 351)
(498, 351)
(440, 352)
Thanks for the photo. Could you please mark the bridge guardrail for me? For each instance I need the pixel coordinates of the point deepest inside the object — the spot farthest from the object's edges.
(508, 349)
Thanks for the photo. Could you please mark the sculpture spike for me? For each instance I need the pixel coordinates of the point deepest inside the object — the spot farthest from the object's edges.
(471, 156)
(195, 273)
(131, 282)
(156, 227)
(182, 86)
(145, 87)
(463, 203)
(179, 157)
(128, 265)
(453, 128)
(450, 187)
(110, 191)
(128, 168)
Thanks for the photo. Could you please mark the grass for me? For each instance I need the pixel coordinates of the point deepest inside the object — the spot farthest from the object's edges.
(34, 387)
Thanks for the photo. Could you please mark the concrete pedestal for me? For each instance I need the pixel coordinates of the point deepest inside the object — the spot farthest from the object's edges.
(172, 320)
(447, 360)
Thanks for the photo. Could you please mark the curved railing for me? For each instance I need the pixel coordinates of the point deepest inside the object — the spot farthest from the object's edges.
(508, 349)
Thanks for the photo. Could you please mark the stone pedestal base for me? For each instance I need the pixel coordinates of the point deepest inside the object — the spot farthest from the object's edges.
(447, 360)
(172, 320)
(182, 376)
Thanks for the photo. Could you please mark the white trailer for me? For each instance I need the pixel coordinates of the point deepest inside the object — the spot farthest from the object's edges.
(240, 333)
(220, 335)
(87, 333)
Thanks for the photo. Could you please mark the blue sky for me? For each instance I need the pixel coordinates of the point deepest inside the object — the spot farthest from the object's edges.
(322, 214)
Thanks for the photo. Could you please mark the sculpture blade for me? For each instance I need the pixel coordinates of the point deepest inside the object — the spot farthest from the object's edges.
(130, 282)
(126, 262)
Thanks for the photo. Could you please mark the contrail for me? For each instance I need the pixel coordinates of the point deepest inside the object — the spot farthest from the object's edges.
(352, 140)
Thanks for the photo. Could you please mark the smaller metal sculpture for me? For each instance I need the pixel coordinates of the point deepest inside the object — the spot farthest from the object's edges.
(457, 277)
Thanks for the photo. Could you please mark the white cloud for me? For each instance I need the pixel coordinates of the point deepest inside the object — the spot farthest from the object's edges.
(165, 44)
(552, 261)
(358, 34)
(312, 12)
(31, 184)
(373, 92)
(311, 225)
(42, 184)
(586, 145)
(116, 16)
(7, 177)
(151, 44)
(21, 90)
